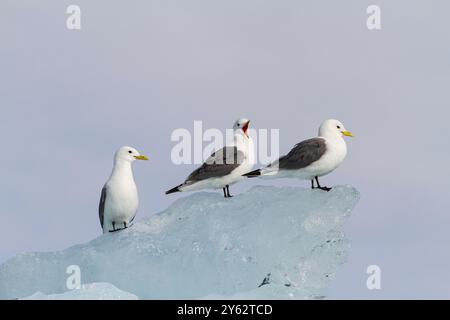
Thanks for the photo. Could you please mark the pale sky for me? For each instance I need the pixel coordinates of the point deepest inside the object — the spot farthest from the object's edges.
(138, 70)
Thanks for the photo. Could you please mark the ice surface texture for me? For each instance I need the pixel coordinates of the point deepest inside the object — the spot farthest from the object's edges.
(206, 246)
(92, 291)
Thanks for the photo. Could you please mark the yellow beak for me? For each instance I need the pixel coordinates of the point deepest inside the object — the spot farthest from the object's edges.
(141, 158)
(347, 133)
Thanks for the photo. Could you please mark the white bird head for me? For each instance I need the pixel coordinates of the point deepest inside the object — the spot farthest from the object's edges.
(128, 154)
(241, 126)
(332, 128)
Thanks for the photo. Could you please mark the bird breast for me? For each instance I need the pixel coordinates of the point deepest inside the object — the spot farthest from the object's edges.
(333, 157)
(123, 199)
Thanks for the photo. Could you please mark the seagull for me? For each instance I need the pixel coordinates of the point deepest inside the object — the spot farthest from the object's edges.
(312, 158)
(225, 166)
(119, 200)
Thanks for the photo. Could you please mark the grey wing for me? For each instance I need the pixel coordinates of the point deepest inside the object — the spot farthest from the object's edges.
(303, 154)
(101, 207)
(219, 164)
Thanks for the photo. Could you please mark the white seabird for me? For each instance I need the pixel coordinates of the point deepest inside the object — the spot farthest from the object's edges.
(225, 166)
(312, 158)
(119, 200)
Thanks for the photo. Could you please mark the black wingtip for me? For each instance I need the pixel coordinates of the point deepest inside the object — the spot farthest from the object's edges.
(253, 174)
(173, 190)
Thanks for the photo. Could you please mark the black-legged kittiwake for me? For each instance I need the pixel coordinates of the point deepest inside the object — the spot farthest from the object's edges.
(312, 158)
(225, 166)
(119, 200)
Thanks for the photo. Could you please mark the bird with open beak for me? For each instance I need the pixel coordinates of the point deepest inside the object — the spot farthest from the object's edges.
(225, 166)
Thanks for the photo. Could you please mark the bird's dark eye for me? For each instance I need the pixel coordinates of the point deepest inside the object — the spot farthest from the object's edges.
(338, 127)
(130, 151)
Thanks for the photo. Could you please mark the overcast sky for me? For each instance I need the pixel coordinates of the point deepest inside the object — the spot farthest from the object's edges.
(137, 70)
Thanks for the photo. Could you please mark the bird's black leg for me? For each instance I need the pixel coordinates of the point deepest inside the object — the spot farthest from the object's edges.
(114, 227)
(322, 188)
(224, 192)
(312, 184)
(228, 192)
